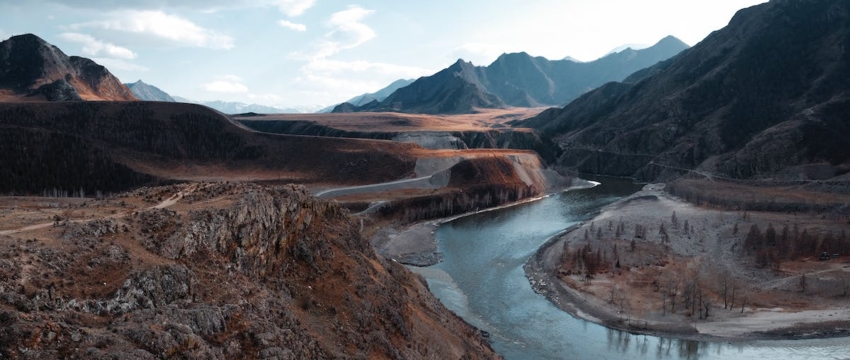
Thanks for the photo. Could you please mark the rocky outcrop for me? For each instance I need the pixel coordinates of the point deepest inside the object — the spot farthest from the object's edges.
(58, 90)
(266, 273)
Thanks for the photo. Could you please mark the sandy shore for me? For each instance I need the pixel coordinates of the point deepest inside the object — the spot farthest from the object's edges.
(727, 325)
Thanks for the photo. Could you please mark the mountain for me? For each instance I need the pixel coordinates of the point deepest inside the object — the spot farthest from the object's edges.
(32, 68)
(765, 97)
(380, 95)
(364, 99)
(519, 80)
(147, 92)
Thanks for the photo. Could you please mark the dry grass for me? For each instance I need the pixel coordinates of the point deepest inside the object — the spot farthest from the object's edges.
(484, 119)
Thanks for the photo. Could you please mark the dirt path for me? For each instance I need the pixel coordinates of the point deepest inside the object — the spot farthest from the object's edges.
(164, 204)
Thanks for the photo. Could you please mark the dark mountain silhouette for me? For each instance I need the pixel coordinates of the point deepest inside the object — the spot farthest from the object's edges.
(518, 79)
(29, 66)
(114, 146)
(766, 96)
(148, 92)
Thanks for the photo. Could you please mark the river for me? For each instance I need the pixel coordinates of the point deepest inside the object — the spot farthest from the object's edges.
(481, 279)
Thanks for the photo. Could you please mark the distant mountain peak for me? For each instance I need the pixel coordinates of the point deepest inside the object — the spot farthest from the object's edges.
(147, 92)
(513, 79)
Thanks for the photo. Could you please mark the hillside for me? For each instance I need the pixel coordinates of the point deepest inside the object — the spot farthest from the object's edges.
(765, 97)
(147, 92)
(32, 69)
(213, 271)
(111, 146)
(518, 80)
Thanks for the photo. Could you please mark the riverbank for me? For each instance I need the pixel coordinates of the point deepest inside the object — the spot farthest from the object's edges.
(416, 244)
(633, 295)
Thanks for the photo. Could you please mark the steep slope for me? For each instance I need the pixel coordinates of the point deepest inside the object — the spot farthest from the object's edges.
(110, 146)
(517, 80)
(230, 271)
(27, 63)
(766, 96)
(147, 92)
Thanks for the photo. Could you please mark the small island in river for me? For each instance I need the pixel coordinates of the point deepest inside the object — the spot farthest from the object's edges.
(680, 261)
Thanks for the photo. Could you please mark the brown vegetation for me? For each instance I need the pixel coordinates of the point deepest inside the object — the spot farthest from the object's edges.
(217, 270)
(656, 264)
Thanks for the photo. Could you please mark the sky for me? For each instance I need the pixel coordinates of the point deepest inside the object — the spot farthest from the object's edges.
(294, 53)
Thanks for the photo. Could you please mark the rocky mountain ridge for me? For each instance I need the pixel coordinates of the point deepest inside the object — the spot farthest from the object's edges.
(516, 79)
(32, 68)
(763, 98)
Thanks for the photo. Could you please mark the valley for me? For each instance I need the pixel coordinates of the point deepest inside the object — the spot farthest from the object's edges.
(683, 202)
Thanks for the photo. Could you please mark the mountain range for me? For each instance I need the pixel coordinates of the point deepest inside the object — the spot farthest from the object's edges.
(516, 79)
(32, 69)
(765, 97)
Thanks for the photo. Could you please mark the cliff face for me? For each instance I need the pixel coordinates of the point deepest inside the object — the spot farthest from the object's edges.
(234, 271)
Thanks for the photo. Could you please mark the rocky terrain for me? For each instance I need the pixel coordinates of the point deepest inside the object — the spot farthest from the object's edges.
(212, 270)
(763, 98)
(31, 69)
(517, 79)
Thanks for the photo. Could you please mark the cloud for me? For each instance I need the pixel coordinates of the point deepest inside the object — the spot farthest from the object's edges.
(293, 8)
(292, 25)
(95, 47)
(228, 84)
(161, 25)
(347, 31)
(118, 64)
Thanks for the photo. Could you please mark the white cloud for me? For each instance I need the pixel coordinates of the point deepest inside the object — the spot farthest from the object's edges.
(347, 31)
(162, 25)
(95, 47)
(228, 84)
(118, 64)
(293, 26)
(294, 8)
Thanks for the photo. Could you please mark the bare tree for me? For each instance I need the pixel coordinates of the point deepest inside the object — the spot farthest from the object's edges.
(725, 285)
